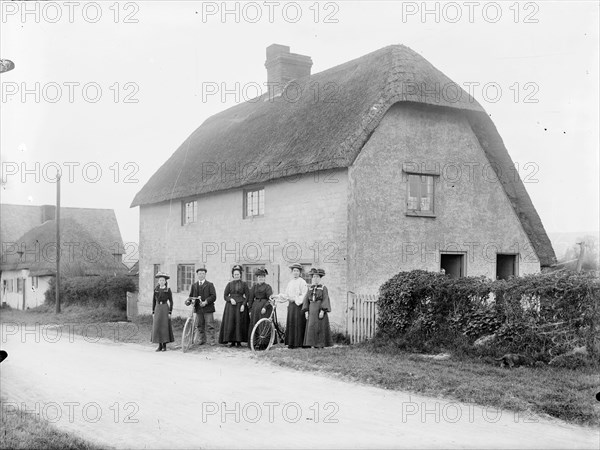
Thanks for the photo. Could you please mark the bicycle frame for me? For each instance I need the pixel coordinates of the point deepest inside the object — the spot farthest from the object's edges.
(187, 337)
(261, 329)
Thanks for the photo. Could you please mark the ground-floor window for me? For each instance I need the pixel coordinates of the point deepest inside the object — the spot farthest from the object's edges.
(35, 282)
(249, 276)
(506, 266)
(453, 264)
(185, 277)
(305, 273)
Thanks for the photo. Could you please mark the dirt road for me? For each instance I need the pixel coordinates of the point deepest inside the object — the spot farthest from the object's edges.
(128, 396)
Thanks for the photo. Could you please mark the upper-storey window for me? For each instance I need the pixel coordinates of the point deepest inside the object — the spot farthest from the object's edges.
(254, 202)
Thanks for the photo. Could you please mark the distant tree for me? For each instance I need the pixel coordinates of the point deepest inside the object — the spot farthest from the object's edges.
(590, 256)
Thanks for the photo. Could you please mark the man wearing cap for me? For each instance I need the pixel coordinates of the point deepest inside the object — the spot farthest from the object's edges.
(296, 322)
(204, 307)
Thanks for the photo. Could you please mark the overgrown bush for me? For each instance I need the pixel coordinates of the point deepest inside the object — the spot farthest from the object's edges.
(92, 291)
(540, 315)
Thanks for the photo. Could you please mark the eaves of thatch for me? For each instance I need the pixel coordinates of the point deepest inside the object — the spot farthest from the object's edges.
(325, 128)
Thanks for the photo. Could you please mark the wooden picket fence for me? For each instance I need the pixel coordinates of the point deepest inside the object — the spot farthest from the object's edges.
(361, 316)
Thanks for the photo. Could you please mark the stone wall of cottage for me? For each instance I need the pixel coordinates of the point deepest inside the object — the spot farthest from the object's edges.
(305, 221)
(34, 296)
(472, 212)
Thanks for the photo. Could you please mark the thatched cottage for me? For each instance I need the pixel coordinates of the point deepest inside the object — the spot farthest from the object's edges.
(375, 166)
(91, 244)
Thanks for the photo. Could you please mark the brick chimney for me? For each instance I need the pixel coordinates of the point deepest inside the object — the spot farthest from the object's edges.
(283, 66)
(48, 212)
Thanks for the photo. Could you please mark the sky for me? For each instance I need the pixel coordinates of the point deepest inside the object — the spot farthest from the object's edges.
(108, 91)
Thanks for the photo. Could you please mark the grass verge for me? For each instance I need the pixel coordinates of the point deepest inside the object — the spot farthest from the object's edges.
(557, 392)
(26, 430)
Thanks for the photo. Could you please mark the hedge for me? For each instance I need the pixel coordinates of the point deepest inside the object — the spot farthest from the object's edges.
(541, 315)
(92, 290)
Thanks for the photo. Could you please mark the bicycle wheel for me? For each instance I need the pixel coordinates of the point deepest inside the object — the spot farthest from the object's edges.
(188, 335)
(262, 335)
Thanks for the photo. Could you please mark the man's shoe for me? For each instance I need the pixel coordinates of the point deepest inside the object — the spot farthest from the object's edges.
(159, 348)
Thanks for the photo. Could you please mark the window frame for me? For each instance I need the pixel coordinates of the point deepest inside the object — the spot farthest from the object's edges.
(410, 170)
(463, 261)
(248, 273)
(515, 263)
(184, 211)
(247, 191)
(181, 281)
(304, 274)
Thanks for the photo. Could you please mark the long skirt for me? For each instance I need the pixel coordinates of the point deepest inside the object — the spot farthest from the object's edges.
(162, 330)
(234, 326)
(295, 326)
(255, 314)
(317, 332)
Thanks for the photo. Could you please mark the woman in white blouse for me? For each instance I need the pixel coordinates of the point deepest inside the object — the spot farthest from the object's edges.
(296, 322)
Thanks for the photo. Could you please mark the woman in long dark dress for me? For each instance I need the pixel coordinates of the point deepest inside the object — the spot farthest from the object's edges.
(316, 305)
(296, 322)
(162, 307)
(234, 327)
(258, 300)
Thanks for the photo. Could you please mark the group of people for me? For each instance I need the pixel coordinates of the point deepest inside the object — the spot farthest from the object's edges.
(307, 323)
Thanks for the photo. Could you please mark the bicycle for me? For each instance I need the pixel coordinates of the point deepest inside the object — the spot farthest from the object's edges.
(264, 331)
(187, 338)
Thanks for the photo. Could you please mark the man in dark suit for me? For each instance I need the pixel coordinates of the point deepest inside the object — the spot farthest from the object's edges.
(204, 307)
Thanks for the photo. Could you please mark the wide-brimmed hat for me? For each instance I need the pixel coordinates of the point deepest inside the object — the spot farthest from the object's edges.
(261, 272)
(201, 268)
(296, 266)
(319, 272)
(162, 275)
(238, 268)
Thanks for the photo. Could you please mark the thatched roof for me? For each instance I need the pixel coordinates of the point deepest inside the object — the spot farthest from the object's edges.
(82, 252)
(16, 220)
(323, 128)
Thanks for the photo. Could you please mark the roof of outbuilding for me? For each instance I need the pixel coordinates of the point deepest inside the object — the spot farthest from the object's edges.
(321, 122)
(82, 252)
(16, 220)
